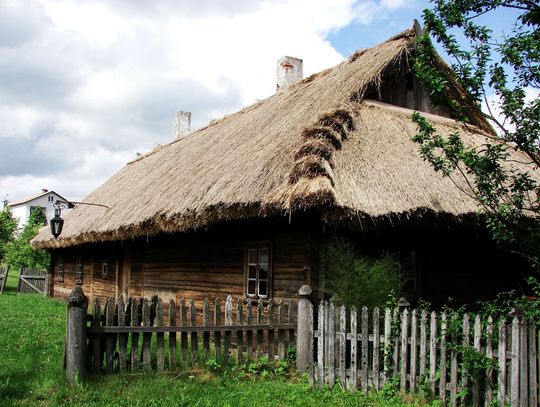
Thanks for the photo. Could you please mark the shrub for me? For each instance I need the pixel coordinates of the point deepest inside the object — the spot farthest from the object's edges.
(359, 280)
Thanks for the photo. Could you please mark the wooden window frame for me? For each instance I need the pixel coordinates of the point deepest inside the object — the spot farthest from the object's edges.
(60, 271)
(79, 270)
(257, 245)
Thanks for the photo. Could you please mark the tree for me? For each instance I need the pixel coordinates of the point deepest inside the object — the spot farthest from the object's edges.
(8, 225)
(508, 67)
(19, 253)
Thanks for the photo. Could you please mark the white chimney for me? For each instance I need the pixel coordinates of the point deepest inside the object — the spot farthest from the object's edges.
(289, 70)
(182, 124)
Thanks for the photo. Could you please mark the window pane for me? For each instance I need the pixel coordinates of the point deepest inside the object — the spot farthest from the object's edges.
(264, 256)
(263, 272)
(251, 287)
(263, 288)
(252, 258)
(252, 272)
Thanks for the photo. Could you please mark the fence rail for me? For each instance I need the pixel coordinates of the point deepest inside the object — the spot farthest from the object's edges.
(33, 281)
(120, 338)
(466, 361)
(4, 271)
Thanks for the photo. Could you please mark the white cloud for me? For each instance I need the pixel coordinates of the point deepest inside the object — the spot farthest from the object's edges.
(86, 85)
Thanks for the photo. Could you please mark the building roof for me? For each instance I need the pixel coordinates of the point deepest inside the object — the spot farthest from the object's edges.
(318, 144)
(32, 197)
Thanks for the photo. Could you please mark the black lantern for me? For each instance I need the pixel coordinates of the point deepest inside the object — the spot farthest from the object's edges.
(57, 223)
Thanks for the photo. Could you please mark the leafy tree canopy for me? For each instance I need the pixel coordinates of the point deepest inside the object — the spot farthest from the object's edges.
(8, 225)
(19, 253)
(506, 66)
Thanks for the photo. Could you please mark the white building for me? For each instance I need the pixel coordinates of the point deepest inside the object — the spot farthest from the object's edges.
(45, 200)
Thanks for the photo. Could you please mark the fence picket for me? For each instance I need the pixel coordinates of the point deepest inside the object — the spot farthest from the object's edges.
(147, 336)
(281, 333)
(96, 340)
(109, 338)
(523, 359)
(239, 333)
(488, 397)
(183, 335)
(122, 338)
(395, 357)
(432, 353)
(343, 344)
(217, 322)
(404, 348)
(387, 347)
(228, 323)
(533, 373)
(501, 393)
(194, 336)
(271, 349)
(365, 348)
(376, 348)
(206, 334)
(442, 366)
(477, 347)
(249, 334)
(423, 346)
(330, 359)
(260, 332)
(160, 336)
(135, 336)
(514, 372)
(172, 335)
(320, 342)
(453, 368)
(465, 370)
(351, 383)
(414, 350)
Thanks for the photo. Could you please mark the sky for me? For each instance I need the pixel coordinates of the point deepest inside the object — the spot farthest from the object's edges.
(86, 85)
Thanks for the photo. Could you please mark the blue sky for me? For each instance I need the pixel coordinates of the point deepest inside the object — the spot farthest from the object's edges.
(86, 85)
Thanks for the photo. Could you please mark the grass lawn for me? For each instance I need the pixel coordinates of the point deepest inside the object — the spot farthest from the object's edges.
(32, 340)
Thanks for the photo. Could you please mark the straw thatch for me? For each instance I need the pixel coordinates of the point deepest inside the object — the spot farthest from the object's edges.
(316, 145)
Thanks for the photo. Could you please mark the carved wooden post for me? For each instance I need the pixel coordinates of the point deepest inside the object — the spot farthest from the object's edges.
(304, 333)
(76, 336)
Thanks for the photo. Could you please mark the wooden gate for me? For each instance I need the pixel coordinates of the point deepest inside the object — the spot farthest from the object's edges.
(33, 281)
(3, 277)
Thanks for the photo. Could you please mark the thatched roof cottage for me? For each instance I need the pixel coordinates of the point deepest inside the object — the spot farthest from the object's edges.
(244, 205)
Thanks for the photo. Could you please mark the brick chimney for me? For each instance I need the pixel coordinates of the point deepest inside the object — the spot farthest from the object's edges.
(182, 124)
(289, 70)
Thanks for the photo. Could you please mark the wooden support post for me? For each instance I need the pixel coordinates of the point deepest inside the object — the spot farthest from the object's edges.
(304, 332)
(76, 336)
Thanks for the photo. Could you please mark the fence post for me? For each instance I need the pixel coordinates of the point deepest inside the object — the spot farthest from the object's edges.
(76, 335)
(47, 284)
(304, 332)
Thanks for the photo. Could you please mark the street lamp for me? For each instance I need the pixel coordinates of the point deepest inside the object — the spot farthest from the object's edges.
(57, 223)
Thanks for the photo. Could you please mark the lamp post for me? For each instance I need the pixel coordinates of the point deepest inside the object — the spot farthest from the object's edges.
(57, 223)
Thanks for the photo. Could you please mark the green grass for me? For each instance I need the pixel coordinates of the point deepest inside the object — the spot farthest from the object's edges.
(32, 340)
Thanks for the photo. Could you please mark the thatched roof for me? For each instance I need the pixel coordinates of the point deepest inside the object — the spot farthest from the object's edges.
(318, 144)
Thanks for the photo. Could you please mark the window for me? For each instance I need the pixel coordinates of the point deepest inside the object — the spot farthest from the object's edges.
(104, 269)
(51, 198)
(60, 272)
(79, 271)
(258, 270)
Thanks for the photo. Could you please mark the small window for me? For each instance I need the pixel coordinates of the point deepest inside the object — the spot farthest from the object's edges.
(79, 271)
(51, 198)
(104, 269)
(258, 271)
(60, 272)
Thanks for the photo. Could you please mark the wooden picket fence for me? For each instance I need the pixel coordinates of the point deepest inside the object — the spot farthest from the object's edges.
(34, 281)
(120, 338)
(426, 352)
(4, 270)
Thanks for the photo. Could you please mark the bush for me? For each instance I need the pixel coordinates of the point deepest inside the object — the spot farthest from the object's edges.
(354, 279)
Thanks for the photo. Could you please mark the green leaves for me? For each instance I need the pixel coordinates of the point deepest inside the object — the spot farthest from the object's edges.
(508, 67)
(19, 253)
